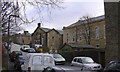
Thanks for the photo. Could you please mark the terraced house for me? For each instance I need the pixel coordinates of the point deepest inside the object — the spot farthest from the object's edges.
(86, 38)
(55, 40)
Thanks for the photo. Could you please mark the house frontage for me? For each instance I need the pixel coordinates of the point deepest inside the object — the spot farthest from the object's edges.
(54, 40)
(84, 38)
(49, 39)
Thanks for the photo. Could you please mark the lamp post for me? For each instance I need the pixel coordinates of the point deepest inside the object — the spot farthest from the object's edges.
(9, 28)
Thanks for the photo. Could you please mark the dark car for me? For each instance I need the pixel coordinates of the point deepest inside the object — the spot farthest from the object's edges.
(64, 69)
(31, 50)
(113, 66)
(14, 54)
(18, 62)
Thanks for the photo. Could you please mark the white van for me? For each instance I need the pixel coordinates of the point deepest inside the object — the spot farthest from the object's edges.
(37, 62)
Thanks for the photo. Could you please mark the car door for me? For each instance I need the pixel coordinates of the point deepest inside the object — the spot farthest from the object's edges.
(37, 63)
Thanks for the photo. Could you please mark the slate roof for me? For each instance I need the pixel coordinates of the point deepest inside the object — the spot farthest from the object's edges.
(45, 29)
(60, 31)
(79, 22)
(74, 45)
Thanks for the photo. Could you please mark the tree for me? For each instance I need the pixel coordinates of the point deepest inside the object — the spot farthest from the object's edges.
(11, 10)
(86, 21)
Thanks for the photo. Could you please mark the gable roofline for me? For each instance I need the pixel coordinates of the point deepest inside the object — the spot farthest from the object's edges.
(79, 22)
(41, 28)
(57, 31)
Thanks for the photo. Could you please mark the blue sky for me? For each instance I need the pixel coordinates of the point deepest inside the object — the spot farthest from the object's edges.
(73, 10)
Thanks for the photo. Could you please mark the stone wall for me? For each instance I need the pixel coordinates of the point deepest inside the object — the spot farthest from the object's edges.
(54, 40)
(72, 34)
(112, 31)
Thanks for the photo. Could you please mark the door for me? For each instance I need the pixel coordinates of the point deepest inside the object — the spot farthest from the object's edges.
(36, 62)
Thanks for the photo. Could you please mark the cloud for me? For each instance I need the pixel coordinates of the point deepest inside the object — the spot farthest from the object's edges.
(73, 10)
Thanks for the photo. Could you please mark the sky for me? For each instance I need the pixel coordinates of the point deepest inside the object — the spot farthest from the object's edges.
(70, 13)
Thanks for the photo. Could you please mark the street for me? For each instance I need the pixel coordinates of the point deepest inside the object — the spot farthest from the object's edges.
(66, 66)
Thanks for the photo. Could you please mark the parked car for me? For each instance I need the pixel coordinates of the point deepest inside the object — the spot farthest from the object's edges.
(14, 54)
(31, 50)
(86, 63)
(37, 62)
(58, 59)
(113, 66)
(18, 62)
(24, 47)
(62, 69)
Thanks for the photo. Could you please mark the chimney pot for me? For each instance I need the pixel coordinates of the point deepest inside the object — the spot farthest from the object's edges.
(39, 24)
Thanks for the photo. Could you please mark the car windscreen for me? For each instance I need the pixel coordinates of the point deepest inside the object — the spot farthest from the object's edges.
(87, 60)
(57, 56)
(114, 66)
(21, 58)
(19, 53)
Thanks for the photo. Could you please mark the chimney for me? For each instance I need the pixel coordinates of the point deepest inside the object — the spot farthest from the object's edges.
(39, 24)
(25, 32)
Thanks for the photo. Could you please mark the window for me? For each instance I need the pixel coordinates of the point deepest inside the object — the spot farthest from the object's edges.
(67, 40)
(88, 34)
(67, 37)
(42, 41)
(73, 39)
(37, 60)
(97, 33)
(97, 45)
(75, 60)
(80, 35)
(79, 61)
(48, 61)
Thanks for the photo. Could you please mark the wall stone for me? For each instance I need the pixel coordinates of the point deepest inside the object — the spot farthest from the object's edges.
(112, 15)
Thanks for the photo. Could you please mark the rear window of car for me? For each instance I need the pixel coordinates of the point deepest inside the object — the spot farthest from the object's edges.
(37, 60)
(48, 60)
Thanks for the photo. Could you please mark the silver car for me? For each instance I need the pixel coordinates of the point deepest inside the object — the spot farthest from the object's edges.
(58, 59)
(86, 63)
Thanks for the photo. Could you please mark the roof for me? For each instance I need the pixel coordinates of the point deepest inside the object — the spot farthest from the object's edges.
(79, 22)
(82, 57)
(38, 54)
(74, 45)
(45, 29)
(60, 31)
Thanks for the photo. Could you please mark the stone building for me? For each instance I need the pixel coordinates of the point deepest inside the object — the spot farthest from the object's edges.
(50, 39)
(23, 39)
(79, 41)
(54, 39)
(39, 36)
(112, 14)
(76, 33)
